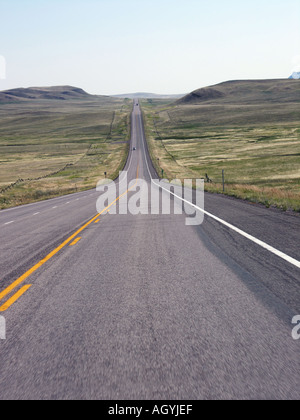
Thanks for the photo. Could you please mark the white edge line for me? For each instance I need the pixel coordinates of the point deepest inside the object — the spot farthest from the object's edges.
(264, 245)
(239, 231)
(63, 197)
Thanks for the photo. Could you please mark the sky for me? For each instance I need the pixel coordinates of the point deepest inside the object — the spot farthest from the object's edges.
(160, 46)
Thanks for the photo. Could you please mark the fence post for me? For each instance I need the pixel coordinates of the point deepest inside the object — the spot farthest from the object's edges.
(223, 179)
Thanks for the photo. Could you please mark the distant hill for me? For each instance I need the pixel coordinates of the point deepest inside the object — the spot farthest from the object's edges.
(246, 91)
(63, 93)
(295, 75)
(145, 95)
(51, 93)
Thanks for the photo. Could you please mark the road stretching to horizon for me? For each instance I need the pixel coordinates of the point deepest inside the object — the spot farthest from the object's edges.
(103, 306)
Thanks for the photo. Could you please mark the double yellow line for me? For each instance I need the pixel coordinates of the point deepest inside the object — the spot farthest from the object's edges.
(28, 273)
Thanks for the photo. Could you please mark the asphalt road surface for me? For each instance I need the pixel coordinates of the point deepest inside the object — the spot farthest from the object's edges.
(104, 306)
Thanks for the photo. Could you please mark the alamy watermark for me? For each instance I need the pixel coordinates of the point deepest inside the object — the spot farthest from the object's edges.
(2, 328)
(296, 329)
(2, 68)
(160, 197)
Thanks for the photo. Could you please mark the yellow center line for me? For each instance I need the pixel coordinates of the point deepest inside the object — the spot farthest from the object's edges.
(14, 298)
(97, 221)
(59, 248)
(75, 242)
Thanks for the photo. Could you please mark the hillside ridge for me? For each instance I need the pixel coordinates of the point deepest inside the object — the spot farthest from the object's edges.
(245, 91)
(50, 93)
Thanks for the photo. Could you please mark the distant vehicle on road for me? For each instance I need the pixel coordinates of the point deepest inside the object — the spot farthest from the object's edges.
(134, 148)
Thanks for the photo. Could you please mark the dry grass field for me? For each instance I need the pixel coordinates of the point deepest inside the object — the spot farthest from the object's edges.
(250, 130)
(50, 147)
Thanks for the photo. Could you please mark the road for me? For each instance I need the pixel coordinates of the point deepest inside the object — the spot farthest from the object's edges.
(104, 306)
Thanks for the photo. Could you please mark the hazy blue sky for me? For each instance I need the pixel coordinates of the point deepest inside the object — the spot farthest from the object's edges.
(162, 46)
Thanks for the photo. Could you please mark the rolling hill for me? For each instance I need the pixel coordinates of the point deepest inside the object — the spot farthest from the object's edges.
(246, 92)
(41, 93)
(249, 129)
(145, 95)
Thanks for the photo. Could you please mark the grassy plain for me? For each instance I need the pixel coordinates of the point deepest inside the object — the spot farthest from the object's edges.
(251, 130)
(54, 147)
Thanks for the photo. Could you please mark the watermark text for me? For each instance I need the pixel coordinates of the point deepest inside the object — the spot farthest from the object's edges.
(296, 329)
(160, 197)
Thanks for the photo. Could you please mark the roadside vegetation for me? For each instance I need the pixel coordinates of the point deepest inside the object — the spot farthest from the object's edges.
(255, 141)
(50, 148)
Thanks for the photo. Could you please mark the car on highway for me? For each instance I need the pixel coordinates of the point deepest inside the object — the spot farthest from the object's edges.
(134, 148)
